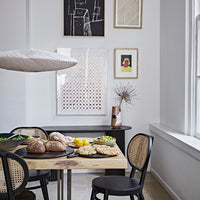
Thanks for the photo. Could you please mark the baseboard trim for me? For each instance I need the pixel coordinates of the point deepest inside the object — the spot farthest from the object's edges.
(165, 185)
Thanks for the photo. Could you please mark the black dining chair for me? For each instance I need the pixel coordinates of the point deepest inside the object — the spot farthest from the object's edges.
(13, 178)
(36, 175)
(138, 153)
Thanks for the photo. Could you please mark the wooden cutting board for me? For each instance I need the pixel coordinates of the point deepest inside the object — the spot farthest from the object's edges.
(56, 154)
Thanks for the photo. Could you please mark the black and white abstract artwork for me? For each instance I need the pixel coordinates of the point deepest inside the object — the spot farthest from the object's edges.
(84, 18)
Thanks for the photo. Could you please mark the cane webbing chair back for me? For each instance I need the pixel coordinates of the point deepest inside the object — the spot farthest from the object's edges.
(13, 175)
(16, 175)
(138, 150)
(36, 175)
(138, 153)
(31, 131)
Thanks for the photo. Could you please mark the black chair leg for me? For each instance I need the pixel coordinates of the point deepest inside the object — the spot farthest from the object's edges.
(131, 197)
(43, 183)
(140, 196)
(105, 196)
(93, 195)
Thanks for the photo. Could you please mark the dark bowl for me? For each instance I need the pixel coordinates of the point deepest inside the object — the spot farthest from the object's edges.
(9, 145)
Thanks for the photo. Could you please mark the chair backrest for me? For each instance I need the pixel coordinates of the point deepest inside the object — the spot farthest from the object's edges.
(13, 175)
(138, 152)
(31, 131)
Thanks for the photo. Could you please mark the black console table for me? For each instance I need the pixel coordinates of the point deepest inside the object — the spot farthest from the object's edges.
(119, 134)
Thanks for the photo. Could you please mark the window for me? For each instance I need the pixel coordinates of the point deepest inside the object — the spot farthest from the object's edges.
(81, 90)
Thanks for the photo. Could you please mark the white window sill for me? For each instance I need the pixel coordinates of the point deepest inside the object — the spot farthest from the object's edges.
(188, 144)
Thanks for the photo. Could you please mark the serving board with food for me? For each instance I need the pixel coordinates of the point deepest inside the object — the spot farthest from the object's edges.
(48, 154)
(95, 151)
(59, 145)
(55, 146)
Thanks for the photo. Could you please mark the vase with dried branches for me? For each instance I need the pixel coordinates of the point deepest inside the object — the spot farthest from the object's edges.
(124, 92)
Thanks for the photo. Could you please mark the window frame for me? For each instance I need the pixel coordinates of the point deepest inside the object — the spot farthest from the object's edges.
(197, 77)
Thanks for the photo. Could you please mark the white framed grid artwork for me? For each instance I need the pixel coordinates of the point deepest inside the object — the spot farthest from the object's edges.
(81, 90)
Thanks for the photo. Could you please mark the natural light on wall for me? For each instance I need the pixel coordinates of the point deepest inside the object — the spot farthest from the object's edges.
(198, 79)
(197, 70)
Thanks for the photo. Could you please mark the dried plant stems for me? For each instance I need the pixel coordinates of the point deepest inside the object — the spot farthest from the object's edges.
(126, 92)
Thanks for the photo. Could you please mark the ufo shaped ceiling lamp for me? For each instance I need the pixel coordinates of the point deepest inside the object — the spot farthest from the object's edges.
(31, 60)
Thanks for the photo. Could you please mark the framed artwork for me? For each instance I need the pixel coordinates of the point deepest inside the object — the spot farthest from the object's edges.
(82, 89)
(126, 63)
(128, 14)
(84, 18)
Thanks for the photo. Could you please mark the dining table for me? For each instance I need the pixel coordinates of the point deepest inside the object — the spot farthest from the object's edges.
(118, 133)
(62, 163)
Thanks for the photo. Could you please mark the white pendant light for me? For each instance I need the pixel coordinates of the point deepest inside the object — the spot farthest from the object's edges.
(31, 60)
(34, 60)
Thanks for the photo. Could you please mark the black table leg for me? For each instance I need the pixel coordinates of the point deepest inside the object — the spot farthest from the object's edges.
(120, 138)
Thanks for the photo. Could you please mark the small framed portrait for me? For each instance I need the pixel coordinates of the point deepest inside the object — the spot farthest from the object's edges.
(126, 63)
(128, 14)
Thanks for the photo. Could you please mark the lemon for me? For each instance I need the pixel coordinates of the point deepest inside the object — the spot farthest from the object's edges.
(86, 142)
(78, 142)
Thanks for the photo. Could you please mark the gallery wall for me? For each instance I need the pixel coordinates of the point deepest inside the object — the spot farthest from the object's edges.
(37, 92)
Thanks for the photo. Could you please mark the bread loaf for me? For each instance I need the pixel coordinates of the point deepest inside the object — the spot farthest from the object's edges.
(55, 146)
(68, 140)
(56, 136)
(36, 147)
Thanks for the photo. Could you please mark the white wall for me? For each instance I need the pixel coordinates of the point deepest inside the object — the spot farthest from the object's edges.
(12, 84)
(172, 63)
(177, 170)
(38, 90)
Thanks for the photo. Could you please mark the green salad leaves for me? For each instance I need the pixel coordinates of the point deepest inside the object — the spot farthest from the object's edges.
(15, 138)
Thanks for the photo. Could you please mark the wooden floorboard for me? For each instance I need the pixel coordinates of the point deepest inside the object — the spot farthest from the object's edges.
(81, 188)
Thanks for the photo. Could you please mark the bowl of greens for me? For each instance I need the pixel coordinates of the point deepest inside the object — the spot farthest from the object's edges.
(105, 140)
(10, 144)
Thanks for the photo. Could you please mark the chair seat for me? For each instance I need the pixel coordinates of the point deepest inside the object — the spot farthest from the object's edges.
(26, 195)
(116, 185)
(35, 175)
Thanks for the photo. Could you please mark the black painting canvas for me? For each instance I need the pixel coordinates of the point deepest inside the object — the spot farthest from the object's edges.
(84, 17)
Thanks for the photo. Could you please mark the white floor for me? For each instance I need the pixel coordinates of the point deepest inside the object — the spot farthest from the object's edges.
(81, 188)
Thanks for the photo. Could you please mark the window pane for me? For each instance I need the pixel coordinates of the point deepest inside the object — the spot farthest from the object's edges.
(198, 48)
(198, 105)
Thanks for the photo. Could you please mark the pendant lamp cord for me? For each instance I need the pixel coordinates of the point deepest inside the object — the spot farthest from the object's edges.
(28, 24)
